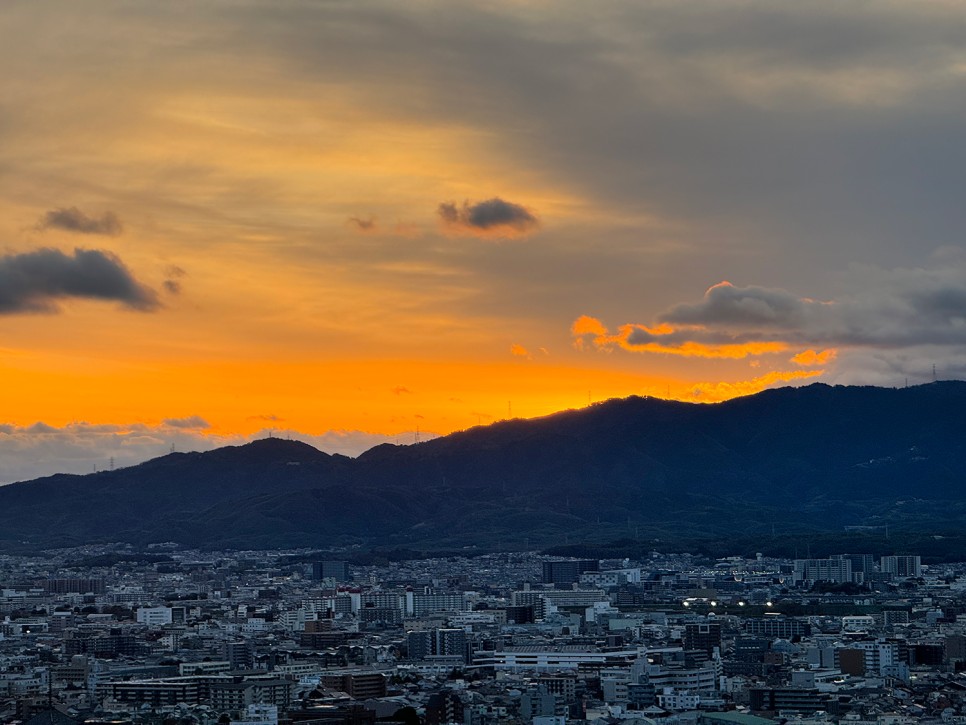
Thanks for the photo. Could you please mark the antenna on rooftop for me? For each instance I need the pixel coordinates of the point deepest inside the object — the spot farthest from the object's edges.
(112, 463)
(416, 434)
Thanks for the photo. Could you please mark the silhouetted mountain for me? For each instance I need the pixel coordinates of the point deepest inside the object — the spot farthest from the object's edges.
(789, 460)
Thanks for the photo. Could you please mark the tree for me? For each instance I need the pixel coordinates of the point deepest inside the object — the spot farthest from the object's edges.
(407, 715)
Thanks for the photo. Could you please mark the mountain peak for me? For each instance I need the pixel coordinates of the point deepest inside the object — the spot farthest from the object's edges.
(818, 456)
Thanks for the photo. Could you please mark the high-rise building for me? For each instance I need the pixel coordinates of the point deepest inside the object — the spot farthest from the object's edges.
(901, 566)
(838, 571)
(450, 642)
(436, 642)
(568, 571)
(702, 637)
(240, 655)
(74, 585)
(861, 563)
(338, 570)
(425, 603)
(420, 644)
(776, 626)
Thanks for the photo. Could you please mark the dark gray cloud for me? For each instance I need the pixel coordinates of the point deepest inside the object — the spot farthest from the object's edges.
(726, 304)
(72, 219)
(172, 285)
(778, 140)
(367, 224)
(493, 215)
(889, 320)
(192, 422)
(34, 281)
(834, 129)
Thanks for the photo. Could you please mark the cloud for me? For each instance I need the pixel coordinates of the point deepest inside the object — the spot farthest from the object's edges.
(789, 118)
(362, 225)
(809, 358)
(172, 285)
(28, 452)
(894, 321)
(591, 333)
(725, 304)
(493, 217)
(33, 281)
(268, 418)
(193, 422)
(519, 351)
(718, 391)
(72, 219)
(401, 390)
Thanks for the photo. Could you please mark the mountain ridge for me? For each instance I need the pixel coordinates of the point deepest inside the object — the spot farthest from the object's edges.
(817, 457)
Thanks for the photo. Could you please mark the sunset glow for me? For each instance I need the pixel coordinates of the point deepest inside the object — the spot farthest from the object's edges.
(362, 220)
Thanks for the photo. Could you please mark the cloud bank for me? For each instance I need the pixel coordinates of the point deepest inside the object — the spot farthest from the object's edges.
(28, 452)
(889, 323)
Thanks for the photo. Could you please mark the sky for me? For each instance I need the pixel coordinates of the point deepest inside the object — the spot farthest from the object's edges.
(357, 222)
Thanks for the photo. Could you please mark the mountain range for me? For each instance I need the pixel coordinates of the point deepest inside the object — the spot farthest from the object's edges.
(817, 458)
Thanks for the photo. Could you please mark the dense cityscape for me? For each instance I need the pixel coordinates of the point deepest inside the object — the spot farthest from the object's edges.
(165, 635)
(472, 363)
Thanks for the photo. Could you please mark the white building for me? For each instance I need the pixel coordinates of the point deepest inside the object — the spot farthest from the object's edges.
(154, 616)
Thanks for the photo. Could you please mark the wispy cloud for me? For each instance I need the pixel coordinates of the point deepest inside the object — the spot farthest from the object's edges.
(712, 392)
(72, 219)
(362, 224)
(665, 339)
(192, 422)
(172, 284)
(270, 418)
(811, 358)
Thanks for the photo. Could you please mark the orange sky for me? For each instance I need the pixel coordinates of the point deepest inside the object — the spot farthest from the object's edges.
(365, 218)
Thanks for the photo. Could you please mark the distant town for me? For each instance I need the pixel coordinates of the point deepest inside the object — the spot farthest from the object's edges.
(108, 634)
